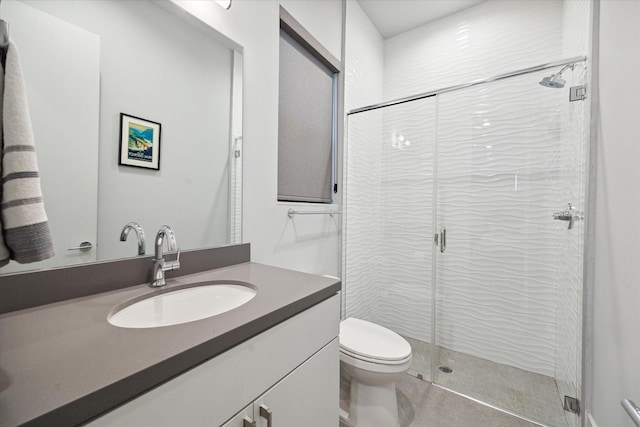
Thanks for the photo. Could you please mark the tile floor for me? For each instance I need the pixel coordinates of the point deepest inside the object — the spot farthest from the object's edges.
(526, 393)
(422, 404)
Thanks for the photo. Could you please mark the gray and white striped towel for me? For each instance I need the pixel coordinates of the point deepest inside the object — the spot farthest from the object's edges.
(25, 233)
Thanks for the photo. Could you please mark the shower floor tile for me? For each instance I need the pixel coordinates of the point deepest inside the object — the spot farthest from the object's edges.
(526, 393)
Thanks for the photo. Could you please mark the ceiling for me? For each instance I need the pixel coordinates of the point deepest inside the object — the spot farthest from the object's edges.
(392, 17)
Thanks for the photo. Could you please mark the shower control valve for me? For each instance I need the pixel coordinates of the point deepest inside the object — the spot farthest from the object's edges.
(571, 214)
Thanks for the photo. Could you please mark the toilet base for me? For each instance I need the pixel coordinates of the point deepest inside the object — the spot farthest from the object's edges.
(373, 405)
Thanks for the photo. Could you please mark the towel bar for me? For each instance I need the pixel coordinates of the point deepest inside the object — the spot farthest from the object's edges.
(632, 409)
(291, 213)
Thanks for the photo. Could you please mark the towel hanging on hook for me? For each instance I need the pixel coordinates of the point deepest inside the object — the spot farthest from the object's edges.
(24, 225)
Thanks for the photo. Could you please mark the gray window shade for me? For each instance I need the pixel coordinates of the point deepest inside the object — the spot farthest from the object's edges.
(305, 123)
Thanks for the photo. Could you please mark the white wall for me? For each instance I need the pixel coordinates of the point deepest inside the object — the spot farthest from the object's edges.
(364, 60)
(616, 341)
(307, 243)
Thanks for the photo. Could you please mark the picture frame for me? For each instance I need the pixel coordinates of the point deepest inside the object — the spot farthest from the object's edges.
(139, 142)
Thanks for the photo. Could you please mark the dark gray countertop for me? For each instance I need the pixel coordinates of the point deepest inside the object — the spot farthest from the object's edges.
(63, 363)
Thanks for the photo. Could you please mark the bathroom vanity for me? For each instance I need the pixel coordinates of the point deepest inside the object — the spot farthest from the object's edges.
(63, 363)
(286, 373)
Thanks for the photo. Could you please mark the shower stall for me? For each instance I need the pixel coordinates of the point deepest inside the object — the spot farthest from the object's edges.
(463, 232)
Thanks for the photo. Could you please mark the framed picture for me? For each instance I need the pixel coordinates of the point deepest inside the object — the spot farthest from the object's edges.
(139, 142)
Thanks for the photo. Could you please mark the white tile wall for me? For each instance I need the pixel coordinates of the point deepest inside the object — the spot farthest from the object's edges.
(489, 39)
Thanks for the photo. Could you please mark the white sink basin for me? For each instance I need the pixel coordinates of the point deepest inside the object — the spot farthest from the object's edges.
(183, 305)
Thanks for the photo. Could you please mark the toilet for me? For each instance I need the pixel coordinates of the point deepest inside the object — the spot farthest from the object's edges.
(374, 357)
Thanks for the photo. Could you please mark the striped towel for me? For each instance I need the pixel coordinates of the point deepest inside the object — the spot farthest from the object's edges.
(25, 231)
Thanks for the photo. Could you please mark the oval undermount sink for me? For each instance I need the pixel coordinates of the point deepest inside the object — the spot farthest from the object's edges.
(183, 305)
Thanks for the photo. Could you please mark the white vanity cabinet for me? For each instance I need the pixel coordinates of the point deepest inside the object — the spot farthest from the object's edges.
(305, 397)
(292, 368)
(243, 419)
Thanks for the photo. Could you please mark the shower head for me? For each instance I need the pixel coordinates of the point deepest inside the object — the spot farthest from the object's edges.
(555, 80)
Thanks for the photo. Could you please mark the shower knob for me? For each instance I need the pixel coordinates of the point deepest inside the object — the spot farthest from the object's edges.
(571, 215)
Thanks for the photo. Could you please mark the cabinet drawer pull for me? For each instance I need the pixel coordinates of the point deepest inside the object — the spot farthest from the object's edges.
(248, 422)
(265, 413)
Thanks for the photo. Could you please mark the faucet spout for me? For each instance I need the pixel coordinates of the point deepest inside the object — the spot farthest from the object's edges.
(165, 233)
(139, 234)
(159, 264)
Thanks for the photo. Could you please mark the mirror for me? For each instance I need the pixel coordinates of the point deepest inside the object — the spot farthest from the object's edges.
(85, 65)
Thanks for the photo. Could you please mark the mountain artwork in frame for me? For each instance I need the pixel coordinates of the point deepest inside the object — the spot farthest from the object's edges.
(139, 142)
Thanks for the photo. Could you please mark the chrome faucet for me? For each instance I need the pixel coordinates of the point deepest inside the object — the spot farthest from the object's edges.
(159, 263)
(139, 233)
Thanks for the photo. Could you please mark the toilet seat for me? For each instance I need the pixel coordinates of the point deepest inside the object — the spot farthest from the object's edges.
(373, 359)
(372, 343)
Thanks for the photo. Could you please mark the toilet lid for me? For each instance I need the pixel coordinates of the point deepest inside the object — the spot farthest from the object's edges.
(372, 341)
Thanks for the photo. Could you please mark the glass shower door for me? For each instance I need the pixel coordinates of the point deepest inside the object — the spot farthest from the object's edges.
(389, 222)
(510, 154)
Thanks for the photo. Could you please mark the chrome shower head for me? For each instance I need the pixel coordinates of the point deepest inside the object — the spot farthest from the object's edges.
(555, 80)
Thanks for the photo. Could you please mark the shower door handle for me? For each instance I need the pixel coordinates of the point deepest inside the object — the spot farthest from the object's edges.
(443, 239)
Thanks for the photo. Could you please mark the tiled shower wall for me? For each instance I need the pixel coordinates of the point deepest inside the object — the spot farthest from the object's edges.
(486, 40)
(363, 86)
(388, 278)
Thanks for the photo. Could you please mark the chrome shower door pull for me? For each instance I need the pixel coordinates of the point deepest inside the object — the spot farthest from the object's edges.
(443, 239)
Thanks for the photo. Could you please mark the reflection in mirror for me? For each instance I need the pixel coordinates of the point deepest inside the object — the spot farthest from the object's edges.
(87, 63)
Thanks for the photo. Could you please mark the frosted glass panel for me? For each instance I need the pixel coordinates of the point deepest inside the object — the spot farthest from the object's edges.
(510, 154)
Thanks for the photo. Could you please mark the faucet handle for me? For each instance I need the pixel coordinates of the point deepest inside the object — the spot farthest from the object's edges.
(177, 261)
(173, 265)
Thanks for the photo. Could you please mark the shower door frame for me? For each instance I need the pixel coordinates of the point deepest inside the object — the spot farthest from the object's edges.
(520, 72)
(587, 197)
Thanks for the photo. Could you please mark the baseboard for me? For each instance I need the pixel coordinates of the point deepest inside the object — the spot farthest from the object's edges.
(590, 422)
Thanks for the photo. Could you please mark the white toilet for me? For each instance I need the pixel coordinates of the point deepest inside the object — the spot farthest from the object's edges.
(374, 357)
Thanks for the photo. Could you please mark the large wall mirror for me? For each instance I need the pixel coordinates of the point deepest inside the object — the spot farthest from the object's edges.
(86, 63)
